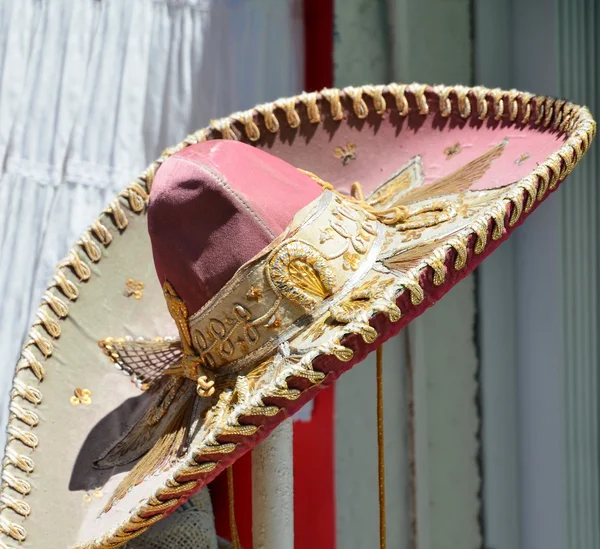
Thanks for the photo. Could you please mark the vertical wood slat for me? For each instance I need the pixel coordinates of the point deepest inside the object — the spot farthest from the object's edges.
(578, 81)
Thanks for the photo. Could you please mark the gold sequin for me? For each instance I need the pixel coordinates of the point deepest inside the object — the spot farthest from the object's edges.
(522, 158)
(345, 154)
(254, 294)
(81, 396)
(453, 150)
(97, 493)
(134, 288)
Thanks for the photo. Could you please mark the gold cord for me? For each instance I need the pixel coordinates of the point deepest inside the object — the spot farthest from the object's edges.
(235, 540)
(381, 449)
(388, 216)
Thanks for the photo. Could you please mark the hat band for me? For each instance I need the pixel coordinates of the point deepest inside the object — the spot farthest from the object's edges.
(278, 296)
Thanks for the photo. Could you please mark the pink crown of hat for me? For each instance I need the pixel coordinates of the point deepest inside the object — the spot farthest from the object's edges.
(213, 207)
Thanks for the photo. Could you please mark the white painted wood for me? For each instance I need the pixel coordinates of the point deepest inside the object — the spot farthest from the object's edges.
(273, 490)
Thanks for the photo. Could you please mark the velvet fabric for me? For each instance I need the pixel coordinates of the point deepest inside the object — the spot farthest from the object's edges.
(206, 217)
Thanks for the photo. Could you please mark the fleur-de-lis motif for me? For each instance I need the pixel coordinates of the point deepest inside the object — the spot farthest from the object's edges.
(453, 150)
(325, 235)
(254, 294)
(134, 288)
(81, 396)
(345, 154)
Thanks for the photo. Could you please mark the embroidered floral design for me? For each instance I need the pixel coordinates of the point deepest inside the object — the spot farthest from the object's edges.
(254, 294)
(465, 210)
(81, 396)
(134, 288)
(345, 154)
(97, 493)
(325, 235)
(409, 236)
(453, 150)
(351, 261)
(463, 207)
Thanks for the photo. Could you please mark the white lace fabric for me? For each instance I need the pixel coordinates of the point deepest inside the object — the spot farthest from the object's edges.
(91, 91)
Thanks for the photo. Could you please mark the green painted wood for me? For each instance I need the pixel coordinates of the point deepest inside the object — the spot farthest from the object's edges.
(578, 54)
(362, 56)
(427, 41)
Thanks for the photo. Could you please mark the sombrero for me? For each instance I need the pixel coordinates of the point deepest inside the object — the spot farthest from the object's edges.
(279, 267)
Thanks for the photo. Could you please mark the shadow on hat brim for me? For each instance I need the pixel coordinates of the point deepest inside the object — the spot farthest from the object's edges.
(68, 402)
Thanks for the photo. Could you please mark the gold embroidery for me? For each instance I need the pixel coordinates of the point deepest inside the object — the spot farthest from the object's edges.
(81, 396)
(326, 234)
(191, 364)
(134, 288)
(459, 180)
(274, 323)
(345, 154)
(409, 236)
(318, 328)
(301, 274)
(522, 158)
(164, 401)
(351, 261)
(361, 301)
(97, 493)
(217, 338)
(254, 294)
(465, 210)
(453, 150)
(392, 188)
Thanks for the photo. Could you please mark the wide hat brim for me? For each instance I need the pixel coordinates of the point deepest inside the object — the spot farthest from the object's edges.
(494, 155)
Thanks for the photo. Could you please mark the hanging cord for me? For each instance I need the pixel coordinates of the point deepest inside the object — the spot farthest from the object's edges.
(235, 540)
(381, 449)
(412, 465)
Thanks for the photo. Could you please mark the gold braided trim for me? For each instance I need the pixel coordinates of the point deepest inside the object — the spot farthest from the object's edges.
(49, 324)
(17, 484)
(29, 417)
(25, 463)
(573, 121)
(15, 531)
(26, 392)
(17, 505)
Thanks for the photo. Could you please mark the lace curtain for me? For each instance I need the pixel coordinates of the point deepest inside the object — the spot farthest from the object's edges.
(91, 91)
